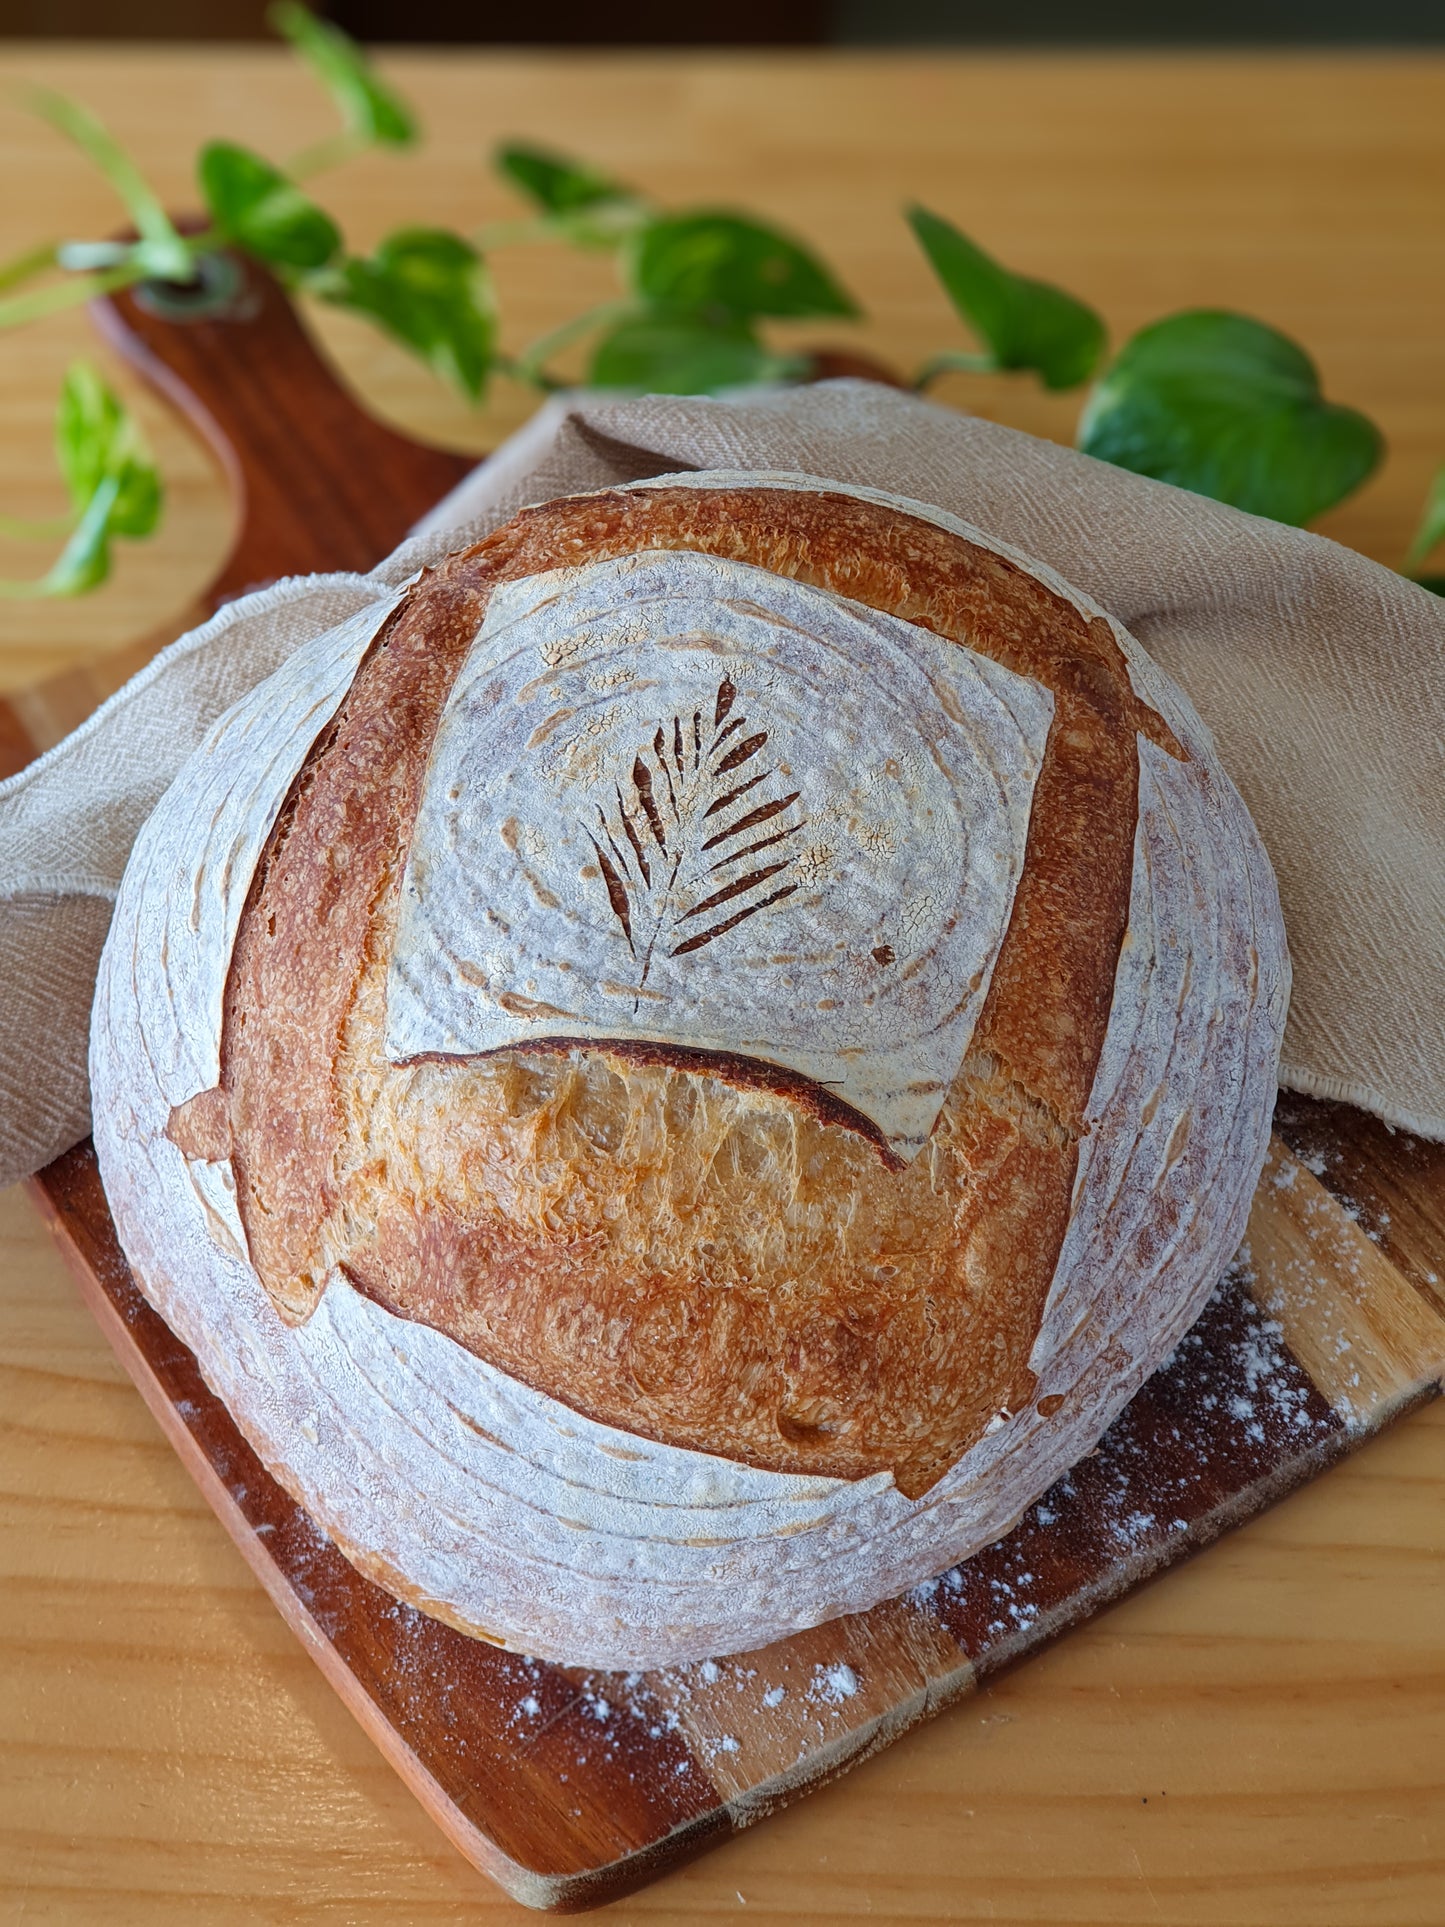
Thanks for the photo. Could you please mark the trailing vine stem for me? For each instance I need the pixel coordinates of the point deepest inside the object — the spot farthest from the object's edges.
(1212, 401)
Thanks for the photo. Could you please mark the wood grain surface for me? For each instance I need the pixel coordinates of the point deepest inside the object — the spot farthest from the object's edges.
(572, 1788)
(166, 1752)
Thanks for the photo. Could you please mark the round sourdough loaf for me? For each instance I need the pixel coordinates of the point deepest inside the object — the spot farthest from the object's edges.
(678, 1072)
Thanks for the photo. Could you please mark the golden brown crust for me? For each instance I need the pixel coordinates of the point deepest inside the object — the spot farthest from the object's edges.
(743, 1073)
(685, 1259)
(201, 1127)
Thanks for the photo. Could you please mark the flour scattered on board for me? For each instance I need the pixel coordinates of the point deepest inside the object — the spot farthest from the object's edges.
(1231, 1391)
(1231, 1397)
(834, 1684)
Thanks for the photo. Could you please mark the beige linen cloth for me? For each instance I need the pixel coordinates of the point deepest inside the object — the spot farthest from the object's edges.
(1322, 676)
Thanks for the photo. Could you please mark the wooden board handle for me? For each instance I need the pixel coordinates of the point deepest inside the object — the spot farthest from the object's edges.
(316, 482)
(304, 459)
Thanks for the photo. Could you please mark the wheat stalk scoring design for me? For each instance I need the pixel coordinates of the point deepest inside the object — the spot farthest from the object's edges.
(679, 869)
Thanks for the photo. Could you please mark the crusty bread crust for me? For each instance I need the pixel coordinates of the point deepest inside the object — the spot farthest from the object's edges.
(502, 1508)
(688, 1253)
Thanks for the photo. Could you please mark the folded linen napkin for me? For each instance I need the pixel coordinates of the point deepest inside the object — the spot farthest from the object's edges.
(1321, 674)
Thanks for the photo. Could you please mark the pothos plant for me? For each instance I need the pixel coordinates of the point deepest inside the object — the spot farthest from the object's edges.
(1213, 401)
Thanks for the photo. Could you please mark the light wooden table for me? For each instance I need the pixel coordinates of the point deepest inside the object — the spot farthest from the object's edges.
(1257, 1740)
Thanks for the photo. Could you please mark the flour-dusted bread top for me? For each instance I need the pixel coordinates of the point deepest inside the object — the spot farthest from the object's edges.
(641, 756)
(630, 1297)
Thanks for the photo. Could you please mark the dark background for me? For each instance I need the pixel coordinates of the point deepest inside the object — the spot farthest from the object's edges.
(762, 22)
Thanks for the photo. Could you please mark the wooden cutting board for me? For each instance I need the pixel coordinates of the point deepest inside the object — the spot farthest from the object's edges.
(571, 1787)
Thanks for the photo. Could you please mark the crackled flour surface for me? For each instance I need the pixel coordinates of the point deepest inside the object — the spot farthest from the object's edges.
(634, 1347)
(676, 798)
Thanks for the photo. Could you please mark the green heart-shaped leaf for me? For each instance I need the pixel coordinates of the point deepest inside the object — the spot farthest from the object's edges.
(366, 103)
(254, 205)
(554, 183)
(97, 441)
(683, 354)
(730, 264)
(1023, 323)
(113, 483)
(1231, 408)
(430, 290)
